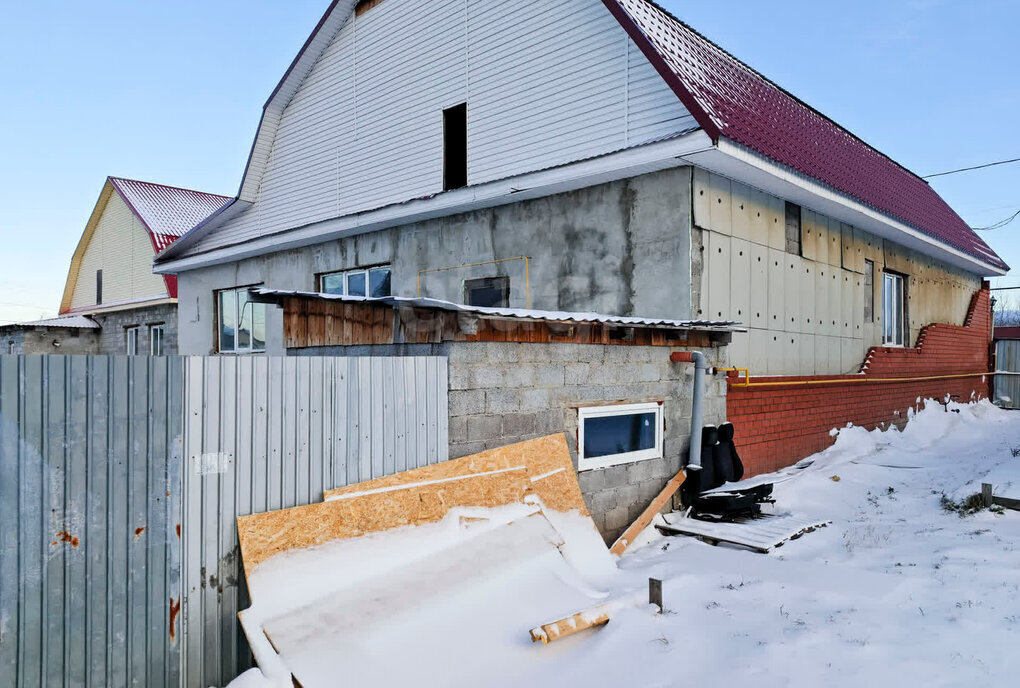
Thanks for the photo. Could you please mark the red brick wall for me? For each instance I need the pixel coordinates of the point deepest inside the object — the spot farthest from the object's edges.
(776, 426)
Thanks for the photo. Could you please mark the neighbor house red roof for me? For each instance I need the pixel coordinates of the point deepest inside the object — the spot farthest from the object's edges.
(167, 212)
(732, 101)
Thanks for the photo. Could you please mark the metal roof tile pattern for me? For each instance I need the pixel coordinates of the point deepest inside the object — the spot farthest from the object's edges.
(512, 313)
(167, 212)
(732, 100)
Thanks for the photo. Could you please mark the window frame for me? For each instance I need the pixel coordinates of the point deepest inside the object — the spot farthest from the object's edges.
(889, 323)
(131, 337)
(154, 340)
(346, 274)
(504, 283)
(586, 412)
(236, 351)
(869, 290)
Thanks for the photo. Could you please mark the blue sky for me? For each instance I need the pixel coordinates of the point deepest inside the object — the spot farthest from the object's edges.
(172, 92)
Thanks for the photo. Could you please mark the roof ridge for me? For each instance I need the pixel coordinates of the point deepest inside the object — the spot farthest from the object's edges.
(772, 82)
(168, 186)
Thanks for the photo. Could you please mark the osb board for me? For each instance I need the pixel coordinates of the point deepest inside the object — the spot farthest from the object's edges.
(265, 535)
(547, 461)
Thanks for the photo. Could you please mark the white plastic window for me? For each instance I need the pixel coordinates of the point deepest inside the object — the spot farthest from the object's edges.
(612, 435)
(894, 330)
(131, 338)
(241, 323)
(373, 282)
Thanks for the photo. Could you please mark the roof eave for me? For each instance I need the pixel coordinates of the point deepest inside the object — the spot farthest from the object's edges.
(737, 162)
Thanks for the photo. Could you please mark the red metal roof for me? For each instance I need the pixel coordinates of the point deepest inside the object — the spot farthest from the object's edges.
(731, 100)
(167, 212)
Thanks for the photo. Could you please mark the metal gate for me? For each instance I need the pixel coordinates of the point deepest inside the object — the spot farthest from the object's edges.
(121, 479)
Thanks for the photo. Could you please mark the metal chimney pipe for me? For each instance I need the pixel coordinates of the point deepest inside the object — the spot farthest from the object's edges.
(697, 406)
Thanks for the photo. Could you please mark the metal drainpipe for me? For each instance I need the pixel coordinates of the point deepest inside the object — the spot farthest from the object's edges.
(697, 403)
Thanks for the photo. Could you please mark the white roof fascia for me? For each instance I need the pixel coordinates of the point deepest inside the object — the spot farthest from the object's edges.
(622, 164)
(743, 165)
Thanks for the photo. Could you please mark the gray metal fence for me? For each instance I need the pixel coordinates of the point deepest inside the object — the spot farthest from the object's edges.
(270, 433)
(89, 553)
(1007, 358)
(121, 479)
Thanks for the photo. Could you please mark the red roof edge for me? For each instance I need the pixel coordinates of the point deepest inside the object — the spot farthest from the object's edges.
(664, 70)
(169, 280)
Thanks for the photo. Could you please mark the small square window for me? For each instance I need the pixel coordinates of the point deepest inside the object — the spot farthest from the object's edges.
(488, 292)
(612, 435)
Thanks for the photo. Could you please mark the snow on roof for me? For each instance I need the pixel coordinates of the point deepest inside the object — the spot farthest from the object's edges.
(731, 100)
(73, 322)
(168, 212)
(514, 313)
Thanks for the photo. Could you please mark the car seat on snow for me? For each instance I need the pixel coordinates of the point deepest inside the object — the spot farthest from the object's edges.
(721, 464)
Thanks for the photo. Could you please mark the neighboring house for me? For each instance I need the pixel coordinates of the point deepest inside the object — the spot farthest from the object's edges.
(69, 335)
(589, 155)
(110, 283)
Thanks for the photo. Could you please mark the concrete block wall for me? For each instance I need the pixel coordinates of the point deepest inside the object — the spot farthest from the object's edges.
(45, 340)
(501, 393)
(113, 340)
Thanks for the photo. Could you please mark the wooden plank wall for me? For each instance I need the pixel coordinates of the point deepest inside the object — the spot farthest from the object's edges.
(320, 323)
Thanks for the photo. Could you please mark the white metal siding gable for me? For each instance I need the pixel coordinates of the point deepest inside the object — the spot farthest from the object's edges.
(546, 84)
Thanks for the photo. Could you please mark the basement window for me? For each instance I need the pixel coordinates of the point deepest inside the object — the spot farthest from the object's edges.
(894, 325)
(793, 241)
(455, 147)
(240, 322)
(488, 292)
(372, 282)
(612, 435)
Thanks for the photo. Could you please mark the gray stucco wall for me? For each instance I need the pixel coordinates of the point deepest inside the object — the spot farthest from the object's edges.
(502, 393)
(621, 248)
(43, 340)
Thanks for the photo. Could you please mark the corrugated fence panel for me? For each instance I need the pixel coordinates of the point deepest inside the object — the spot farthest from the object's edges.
(1007, 358)
(89, 503)
(266, 433)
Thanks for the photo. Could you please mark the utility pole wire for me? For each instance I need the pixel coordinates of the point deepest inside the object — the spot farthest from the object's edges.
(998, 225)
(968, 169)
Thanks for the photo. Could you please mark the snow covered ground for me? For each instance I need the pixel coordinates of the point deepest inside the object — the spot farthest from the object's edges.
(899, 588)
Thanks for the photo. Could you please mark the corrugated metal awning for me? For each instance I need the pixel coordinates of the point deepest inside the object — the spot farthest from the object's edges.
(276, 295)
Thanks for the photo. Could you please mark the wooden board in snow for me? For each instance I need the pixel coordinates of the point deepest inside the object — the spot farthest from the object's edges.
(760, 534)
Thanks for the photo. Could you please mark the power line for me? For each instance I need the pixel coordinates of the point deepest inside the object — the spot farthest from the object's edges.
(998, 225)
(968, 169)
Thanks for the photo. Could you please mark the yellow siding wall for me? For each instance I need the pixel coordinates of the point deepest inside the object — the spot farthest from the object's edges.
(121, 248)
(805, 313)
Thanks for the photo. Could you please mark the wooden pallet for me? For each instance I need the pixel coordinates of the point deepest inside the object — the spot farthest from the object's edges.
(761, 534)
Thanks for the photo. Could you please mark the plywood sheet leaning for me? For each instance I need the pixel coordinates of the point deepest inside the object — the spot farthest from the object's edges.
(265, 535)
(546, 461)
(424, 495)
